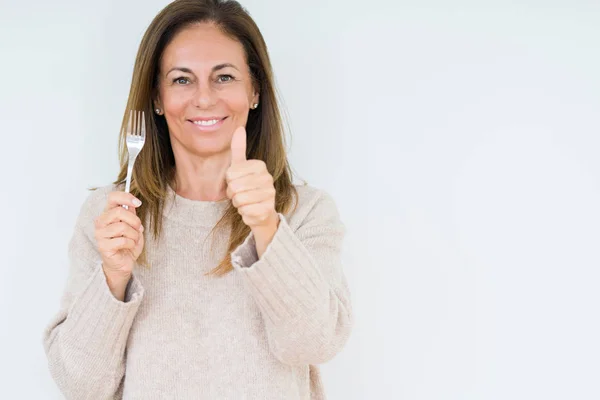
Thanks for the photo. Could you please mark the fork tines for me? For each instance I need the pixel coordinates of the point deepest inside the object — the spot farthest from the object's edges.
(136, 125)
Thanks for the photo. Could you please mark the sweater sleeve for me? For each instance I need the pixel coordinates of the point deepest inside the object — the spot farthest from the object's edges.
(85, 341)
(299, 286)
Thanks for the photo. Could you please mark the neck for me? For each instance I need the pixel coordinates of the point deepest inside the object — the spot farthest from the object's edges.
(202, 178)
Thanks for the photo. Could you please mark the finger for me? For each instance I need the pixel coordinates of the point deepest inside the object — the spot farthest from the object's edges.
(139, 246)
(118, 214)
(255, 213)
(252, 197)
(249, 167)
(251, 182)
(119, 229)
(117, 199)
(116, 244)
(238, 146)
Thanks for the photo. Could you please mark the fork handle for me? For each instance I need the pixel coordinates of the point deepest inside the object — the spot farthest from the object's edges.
(128, 180)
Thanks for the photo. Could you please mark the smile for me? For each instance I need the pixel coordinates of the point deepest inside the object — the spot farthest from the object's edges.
(209, 124)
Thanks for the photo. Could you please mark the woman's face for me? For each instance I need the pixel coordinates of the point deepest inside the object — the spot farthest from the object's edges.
(205, 90)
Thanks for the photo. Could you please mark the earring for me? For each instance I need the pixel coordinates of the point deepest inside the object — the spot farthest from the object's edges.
(254, 106)
(157, 111)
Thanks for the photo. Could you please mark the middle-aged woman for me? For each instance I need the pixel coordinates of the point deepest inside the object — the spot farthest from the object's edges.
(221, 279)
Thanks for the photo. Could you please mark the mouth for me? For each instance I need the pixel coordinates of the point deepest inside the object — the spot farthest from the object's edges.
(208, 124)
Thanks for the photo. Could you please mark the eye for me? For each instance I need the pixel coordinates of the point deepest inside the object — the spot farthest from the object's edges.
(225, 78)
(182, 80)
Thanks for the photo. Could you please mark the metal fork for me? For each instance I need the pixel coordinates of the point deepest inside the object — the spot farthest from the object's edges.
(135, 138)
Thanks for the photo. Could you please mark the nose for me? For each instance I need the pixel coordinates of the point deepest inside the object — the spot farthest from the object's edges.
(205, 96)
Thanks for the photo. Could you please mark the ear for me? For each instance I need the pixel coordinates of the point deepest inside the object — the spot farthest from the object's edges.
(255, 92)
(156, 105)
(255, 100)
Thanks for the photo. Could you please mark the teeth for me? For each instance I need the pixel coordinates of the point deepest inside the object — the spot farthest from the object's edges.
(207, 123)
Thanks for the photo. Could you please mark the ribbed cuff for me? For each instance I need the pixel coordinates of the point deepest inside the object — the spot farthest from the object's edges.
(97, 322)
(286, 281)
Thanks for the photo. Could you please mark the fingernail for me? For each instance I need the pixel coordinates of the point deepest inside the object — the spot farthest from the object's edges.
(136, 202)
(141, 228)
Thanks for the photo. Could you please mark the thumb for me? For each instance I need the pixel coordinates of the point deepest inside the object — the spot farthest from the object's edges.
(238, 146)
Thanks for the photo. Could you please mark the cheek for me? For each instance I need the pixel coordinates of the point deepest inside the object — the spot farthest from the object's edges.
(239, 108)
(237, 101)
(174, 103)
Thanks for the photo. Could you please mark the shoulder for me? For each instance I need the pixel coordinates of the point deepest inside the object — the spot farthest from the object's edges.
(313, 205)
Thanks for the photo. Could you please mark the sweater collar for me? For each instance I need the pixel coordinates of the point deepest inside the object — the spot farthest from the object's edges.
(193, 212)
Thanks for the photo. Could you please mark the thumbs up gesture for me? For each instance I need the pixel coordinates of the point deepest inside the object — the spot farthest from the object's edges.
(250, 186)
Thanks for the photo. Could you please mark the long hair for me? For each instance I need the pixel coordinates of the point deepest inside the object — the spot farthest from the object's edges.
(155, 166)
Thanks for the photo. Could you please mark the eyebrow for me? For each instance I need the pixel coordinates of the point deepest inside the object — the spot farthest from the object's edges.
(215, 68)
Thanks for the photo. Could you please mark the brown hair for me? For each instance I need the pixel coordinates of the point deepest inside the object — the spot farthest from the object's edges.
(155, 166)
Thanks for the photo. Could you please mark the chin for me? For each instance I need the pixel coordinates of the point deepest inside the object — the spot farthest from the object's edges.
(209, 146)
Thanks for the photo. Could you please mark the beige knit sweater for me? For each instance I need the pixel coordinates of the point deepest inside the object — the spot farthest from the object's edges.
(257, 333)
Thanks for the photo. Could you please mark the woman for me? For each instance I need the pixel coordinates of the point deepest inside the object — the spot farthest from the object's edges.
(221, 280)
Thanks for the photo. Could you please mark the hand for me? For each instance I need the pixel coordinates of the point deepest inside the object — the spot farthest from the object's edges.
(120, 240)
(250, 186)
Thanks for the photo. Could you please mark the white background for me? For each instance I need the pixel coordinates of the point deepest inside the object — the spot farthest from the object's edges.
(459, 139)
